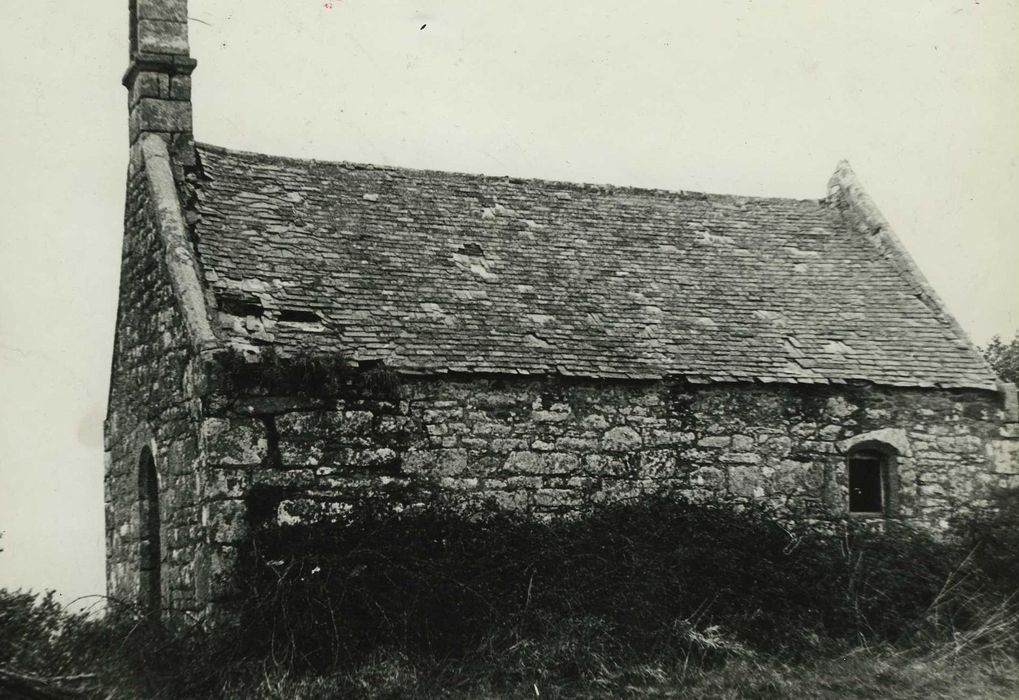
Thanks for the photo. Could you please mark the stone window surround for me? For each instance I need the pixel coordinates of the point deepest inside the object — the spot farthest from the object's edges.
(892, 447)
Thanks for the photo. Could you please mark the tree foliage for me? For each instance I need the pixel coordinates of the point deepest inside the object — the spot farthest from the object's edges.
(1004, 357)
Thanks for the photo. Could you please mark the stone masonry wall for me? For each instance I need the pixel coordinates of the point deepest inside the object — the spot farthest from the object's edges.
(551, 447)
(150, 405)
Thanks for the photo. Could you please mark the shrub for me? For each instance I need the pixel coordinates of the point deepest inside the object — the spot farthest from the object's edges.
(992, 534)
(395, 601)
(444, 582)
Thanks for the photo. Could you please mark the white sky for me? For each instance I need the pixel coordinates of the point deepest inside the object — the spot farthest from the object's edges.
(754, 98)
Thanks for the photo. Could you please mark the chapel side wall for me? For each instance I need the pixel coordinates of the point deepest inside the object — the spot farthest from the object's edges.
(551, 447)
(151, 405)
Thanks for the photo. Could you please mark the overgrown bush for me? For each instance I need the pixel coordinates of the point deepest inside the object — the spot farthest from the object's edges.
(992, 535)
(444, 582)
(395, 602)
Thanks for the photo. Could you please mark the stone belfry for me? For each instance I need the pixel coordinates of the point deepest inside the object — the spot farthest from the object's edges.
(158, 78)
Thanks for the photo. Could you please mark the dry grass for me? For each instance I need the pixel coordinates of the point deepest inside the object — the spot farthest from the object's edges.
(865, 673)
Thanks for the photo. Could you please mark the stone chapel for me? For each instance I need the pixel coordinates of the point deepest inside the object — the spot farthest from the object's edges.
(315, 330)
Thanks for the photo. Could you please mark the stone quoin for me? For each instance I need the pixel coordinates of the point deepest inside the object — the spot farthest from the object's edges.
(315, 331)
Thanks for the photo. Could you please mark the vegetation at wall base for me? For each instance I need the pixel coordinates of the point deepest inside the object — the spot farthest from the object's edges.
(647, 597)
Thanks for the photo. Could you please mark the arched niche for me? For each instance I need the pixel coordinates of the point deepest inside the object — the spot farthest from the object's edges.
(149, 544)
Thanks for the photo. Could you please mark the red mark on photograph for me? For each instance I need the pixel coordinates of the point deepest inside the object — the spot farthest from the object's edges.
(327, 5)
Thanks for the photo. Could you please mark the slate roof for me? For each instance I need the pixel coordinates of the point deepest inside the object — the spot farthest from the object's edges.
(436, 272)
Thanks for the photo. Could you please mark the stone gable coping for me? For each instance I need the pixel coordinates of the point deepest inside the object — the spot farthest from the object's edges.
(846, 193)
(179, 255)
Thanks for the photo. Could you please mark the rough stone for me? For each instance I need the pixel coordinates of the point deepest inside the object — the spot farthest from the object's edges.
(621, 439)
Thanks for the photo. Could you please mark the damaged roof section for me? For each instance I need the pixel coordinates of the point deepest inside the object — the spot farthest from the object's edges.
(436, 272)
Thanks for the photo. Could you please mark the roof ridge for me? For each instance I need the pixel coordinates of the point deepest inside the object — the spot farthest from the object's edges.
(592, 186)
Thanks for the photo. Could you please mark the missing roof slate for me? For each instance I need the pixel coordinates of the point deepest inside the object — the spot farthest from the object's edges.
(240, 306)
(298, 316)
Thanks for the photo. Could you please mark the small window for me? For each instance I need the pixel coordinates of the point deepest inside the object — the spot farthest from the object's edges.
(866, 484)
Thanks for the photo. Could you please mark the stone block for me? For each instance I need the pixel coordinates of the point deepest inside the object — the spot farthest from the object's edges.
(563, 463)
(491, 429)
(775, 444)
(742, 443)
(223, 565)
(306, 511)
(458, 484)
(741, 457)
(714, 441)
(496, 400)
(168, 10)
(622, 439)
(511, 500)
(893, 437)
(418, 461)
(180, 87)
(542, 463)
(225, 483)
(1004, 456)
(508, 444)
(838, 407)
(301, 453)
(708, 477)
(151, 114)
(524, 482)
(831, 432)
(658, 463)
(450, 462)
(226, 520)
(285, 478)
(746, 482)
(233, 441)
(356, 423)
(803, 430)
(575, 444)
(437, 429)
(670, 437)
(960, 445)
(791, 476)
(550, 498)
(160, 36)
(149, 84)
(549, 416)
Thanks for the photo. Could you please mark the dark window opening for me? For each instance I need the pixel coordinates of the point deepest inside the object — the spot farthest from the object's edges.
(298, 316)
(149, 549)
(866, 484)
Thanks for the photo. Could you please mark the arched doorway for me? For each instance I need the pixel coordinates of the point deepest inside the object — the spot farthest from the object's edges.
(149, 549)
